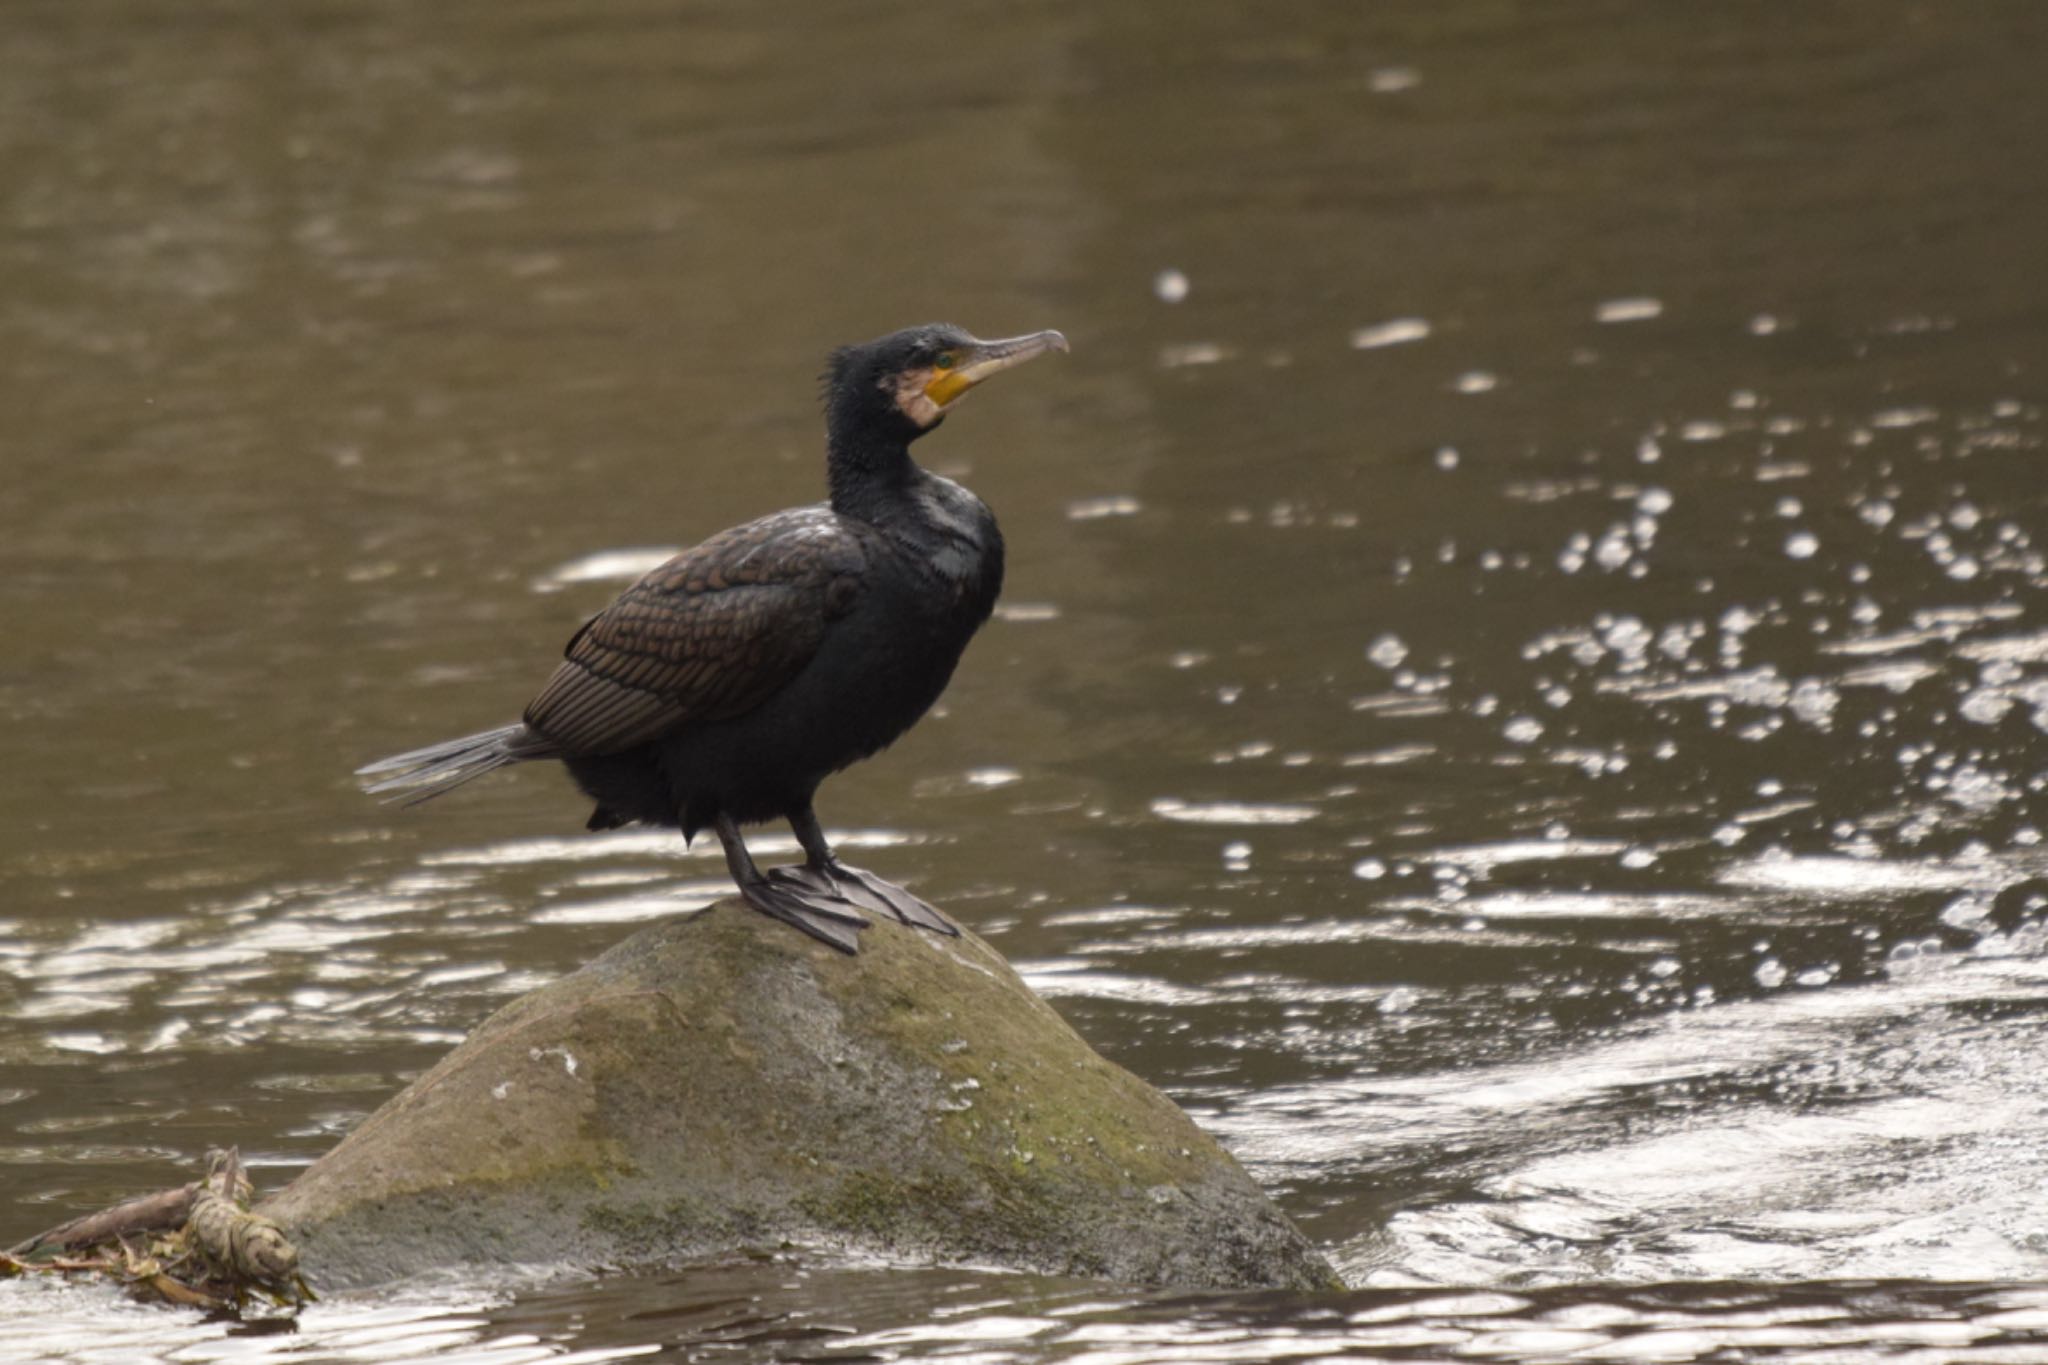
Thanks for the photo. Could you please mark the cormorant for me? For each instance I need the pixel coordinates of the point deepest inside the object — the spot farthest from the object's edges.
(724, 686)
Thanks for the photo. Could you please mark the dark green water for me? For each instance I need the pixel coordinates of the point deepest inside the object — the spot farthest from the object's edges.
(1521, 697)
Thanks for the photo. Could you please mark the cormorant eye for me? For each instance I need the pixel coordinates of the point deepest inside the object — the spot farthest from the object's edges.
(944, 360)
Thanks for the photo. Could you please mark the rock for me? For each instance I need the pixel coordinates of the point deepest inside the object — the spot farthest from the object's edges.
(718, 1082)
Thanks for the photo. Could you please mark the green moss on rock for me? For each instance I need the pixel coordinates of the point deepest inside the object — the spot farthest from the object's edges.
(717, 1082)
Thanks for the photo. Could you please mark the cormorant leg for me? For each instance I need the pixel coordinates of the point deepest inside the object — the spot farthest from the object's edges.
(824, 917)
(863, 888)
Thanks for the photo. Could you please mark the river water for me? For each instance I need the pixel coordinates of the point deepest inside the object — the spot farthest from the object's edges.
(1520, 699)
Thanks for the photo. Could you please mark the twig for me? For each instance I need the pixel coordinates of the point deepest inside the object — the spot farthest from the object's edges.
(159, 1212)
(208, 1251)
(244, 1246)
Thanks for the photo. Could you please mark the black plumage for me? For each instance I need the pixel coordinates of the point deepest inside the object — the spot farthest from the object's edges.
(724, 686)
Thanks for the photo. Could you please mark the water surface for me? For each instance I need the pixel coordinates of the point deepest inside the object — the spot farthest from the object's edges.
(1519, 701)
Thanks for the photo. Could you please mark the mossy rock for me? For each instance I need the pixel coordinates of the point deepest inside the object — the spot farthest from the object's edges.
(719, 1083)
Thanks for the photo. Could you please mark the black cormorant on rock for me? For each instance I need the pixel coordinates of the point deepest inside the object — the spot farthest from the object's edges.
(723, 687)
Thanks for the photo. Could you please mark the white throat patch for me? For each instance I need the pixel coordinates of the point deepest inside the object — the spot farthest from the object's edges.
(908, 391)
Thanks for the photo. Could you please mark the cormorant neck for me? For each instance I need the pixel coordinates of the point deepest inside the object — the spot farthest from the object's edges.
(868, 468)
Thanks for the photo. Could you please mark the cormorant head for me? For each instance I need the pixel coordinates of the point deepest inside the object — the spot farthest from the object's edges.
(904, 383)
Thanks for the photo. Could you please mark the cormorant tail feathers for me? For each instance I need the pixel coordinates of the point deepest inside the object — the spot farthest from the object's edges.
(423, 774)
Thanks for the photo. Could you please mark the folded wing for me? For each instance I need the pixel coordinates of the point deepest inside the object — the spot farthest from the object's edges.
(708, 636)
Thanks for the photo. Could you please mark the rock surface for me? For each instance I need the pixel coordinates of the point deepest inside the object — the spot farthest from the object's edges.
(718, 1082)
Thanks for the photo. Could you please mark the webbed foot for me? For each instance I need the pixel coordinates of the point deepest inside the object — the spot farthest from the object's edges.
(800, 903)
(825, 916)
(823, 874)
(870, 892)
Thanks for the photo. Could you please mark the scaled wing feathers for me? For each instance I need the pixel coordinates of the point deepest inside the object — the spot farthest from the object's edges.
(709, 635)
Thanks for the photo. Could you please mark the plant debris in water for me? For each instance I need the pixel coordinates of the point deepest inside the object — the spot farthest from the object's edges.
(196, 1245)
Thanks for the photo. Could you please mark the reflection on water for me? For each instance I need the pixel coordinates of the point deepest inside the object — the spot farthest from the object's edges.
(1520, 700)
